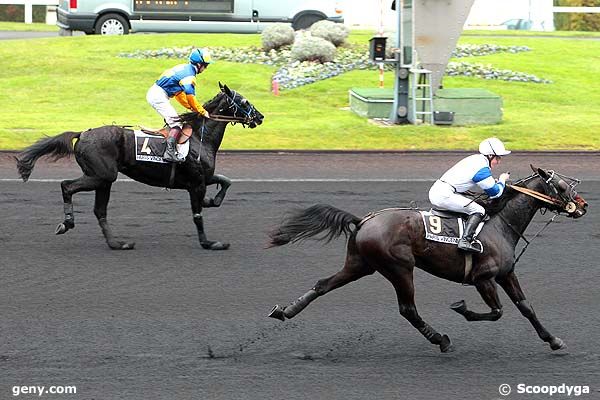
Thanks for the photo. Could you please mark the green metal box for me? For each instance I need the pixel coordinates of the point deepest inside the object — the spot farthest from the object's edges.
(371, 102)
(470, 106)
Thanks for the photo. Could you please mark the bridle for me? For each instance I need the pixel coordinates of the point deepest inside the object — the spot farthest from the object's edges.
(244, 119)
(563, 200)
(561, 203)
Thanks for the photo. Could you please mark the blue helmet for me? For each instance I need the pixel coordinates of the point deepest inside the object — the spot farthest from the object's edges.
(200, 56)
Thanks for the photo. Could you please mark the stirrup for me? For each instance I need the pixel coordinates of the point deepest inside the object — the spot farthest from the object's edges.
(173, 157)
(472, 247)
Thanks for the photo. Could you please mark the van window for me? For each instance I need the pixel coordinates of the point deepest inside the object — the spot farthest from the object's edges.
(217, 6)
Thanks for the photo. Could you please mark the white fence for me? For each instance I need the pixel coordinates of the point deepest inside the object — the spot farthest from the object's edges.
(576, 9)
(29, 6)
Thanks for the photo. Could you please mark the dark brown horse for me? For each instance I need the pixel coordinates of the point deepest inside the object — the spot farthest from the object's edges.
(105, 151)
(393, 243)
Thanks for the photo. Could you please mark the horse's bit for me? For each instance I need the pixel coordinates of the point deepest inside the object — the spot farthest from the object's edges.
(245, 119)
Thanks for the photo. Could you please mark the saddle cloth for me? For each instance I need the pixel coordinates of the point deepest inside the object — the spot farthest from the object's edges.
(152, 147)
(445, 230)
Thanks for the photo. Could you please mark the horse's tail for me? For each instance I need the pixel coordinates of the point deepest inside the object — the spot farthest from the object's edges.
(303, 224)
(57, 146)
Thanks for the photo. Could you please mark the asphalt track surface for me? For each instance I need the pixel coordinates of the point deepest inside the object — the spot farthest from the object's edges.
(169, 320)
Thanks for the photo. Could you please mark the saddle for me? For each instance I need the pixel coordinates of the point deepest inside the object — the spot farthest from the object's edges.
(446, 213)
(164, 132)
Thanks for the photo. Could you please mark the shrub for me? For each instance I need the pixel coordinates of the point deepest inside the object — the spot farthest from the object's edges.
(577, 21)
(310, 48)
(330, 31)
(16, 13)
(276, 36)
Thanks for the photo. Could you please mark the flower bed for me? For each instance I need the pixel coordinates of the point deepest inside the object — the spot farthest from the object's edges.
(292, 74)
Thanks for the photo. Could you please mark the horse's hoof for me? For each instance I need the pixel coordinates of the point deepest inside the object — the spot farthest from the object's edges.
(60, 229)
(209, 203)
(557, 344)
(127, 246)
(277, 313)
(460, 307)
(210, 245)
(121, 245)
(446, 345)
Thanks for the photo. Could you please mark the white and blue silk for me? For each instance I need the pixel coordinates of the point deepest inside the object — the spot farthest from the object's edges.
(470, 173)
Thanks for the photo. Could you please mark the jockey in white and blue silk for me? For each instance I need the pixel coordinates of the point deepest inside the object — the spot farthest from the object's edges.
(178, 82)
(471, 173)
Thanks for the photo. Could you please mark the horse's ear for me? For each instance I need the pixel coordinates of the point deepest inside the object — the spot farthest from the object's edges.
(220, 86)
(542, 173)
(534, 169)
(227, 91)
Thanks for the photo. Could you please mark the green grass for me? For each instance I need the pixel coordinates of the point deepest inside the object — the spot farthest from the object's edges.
(74, 83)
(20, 26)
(513, 33)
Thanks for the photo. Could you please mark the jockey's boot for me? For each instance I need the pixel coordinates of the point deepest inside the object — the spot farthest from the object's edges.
(466, 241)
(171, 154)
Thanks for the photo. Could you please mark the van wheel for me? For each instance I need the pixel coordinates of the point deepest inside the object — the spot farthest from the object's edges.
(305, 21)
(111, 24)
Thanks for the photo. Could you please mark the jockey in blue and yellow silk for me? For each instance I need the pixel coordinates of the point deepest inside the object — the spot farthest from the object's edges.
(178, 82)
(472, 172)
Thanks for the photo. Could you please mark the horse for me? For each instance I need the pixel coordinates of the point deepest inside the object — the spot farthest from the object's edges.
(105, 151)
(392, 242)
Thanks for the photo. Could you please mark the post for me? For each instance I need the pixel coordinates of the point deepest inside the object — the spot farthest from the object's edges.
(399, 113)
(28, 12)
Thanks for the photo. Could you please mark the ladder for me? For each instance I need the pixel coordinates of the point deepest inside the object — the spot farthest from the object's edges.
(421, 95)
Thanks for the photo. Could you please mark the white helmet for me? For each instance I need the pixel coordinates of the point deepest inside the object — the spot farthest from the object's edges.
(492, 147)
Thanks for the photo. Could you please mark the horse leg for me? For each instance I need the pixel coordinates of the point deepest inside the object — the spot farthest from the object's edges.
(354, 268)
(222, 180)
(196, 196)
(100, 205)
(489, 294)
(511, 286)
(405, 291)
(69, 187)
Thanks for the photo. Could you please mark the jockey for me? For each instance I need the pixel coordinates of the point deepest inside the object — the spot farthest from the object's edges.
(469, 173)
(178, 82)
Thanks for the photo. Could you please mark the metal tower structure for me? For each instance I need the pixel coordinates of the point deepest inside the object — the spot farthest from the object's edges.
(427, 33)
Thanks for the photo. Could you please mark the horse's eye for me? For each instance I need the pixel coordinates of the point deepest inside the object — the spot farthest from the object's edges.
(244, 102)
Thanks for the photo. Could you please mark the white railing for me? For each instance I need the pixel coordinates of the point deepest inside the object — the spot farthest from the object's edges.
(576, 9)
(29, 6)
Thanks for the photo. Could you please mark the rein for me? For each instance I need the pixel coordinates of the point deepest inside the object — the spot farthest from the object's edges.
(537, 195)
(527, 242)
(227, 118)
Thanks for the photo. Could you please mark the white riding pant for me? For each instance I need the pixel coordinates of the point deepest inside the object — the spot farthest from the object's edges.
(159, 100)
(443, 195)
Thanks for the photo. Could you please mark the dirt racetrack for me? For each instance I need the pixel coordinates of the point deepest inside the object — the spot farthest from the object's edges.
(169, 320)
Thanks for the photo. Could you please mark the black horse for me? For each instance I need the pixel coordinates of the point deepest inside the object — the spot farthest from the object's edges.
(393, 243)
(103, 152)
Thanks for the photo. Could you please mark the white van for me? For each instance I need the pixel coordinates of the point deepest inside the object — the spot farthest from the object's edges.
(119, 17)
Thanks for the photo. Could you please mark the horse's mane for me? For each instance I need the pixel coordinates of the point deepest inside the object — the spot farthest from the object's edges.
(494, 206)
(192, 118)
(195, 119)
